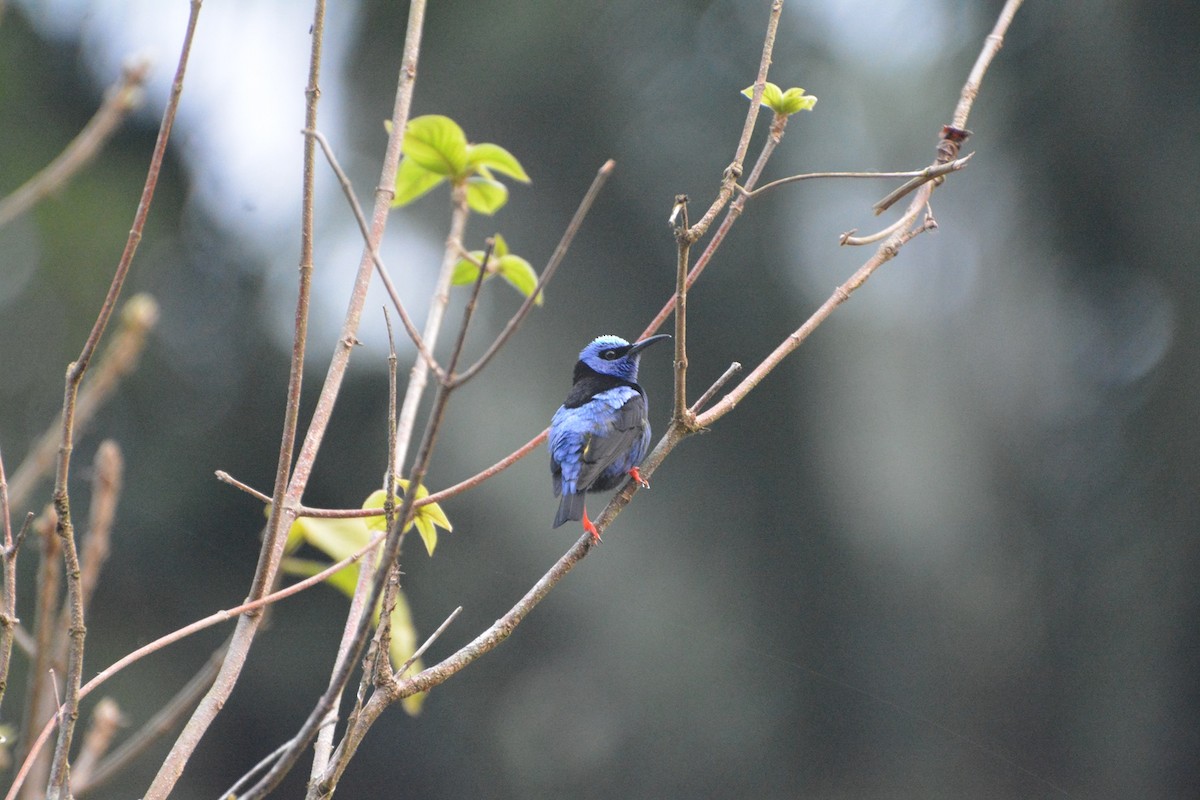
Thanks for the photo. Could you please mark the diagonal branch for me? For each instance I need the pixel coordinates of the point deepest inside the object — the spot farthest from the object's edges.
(121, 98)
(556, 258)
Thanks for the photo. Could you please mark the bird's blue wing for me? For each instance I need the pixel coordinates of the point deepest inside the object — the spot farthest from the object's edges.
(616, 443)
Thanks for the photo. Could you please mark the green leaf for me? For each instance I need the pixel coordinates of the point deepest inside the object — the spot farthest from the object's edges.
(467, 270)
(794, 100)
(485, 194)
(413, 181)
(783, 103)
(344, 580)
(499, 246)
(336, 538)
(438, 144)
(520, 273)
(431, 514)
(494, 157)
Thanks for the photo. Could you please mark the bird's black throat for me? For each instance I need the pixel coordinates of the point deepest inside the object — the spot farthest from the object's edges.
(588, 383)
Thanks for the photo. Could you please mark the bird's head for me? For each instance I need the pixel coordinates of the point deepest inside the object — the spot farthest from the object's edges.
(612, 355)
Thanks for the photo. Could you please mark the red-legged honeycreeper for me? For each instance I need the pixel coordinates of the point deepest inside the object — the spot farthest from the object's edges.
(601, 433)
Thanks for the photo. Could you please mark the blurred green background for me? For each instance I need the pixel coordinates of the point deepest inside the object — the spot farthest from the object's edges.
(948, 549)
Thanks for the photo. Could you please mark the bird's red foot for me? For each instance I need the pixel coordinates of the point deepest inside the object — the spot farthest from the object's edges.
(636, 474)
(590, 528)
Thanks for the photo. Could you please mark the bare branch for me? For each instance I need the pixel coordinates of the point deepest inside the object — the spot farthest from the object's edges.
(585, 205)
(381, 270)
(734, 170)
(122, 97)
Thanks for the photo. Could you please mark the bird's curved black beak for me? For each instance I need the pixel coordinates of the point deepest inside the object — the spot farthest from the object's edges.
(638, 347)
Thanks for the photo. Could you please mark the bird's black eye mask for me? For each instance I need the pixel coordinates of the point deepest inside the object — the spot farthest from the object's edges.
(614, 353)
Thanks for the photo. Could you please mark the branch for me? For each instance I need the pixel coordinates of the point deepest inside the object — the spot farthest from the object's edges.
(419, 375)
(585, 205)
(164, 641)
(122, 97)
(778, 125)
(681, 413)
(734, 170)
(106, 719)
(391, 551)
(348, 191)
(926, 174)
(8, 590)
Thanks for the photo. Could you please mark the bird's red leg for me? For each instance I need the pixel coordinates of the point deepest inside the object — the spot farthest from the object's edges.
(590, 528)
(636, 474)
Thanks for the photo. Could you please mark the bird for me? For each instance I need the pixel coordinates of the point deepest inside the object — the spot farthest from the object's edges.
(601, 432)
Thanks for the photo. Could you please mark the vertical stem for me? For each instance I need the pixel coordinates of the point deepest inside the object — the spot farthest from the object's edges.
(8, 590)
(419, 376)
(681, 412)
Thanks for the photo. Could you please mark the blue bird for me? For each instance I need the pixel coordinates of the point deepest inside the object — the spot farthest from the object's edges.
(601, 433)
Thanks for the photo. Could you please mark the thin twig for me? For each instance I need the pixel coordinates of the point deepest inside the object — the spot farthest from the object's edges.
(419, 375)
(121, 98)
(38, 696)
(927, 174)
(681, 413)
(225, 477)
(263, 764)
(711, 392)
(734, 170)
(934, 172)
(991, 46)
(585, 205)
(381, 270)
(420, 651)
(8, 590)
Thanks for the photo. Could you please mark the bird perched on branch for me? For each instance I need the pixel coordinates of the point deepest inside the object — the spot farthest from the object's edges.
(601, 433)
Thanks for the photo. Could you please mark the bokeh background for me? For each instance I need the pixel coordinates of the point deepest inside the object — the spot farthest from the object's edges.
(948, 549)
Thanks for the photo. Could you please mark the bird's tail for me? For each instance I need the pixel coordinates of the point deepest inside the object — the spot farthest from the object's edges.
(570, 507)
